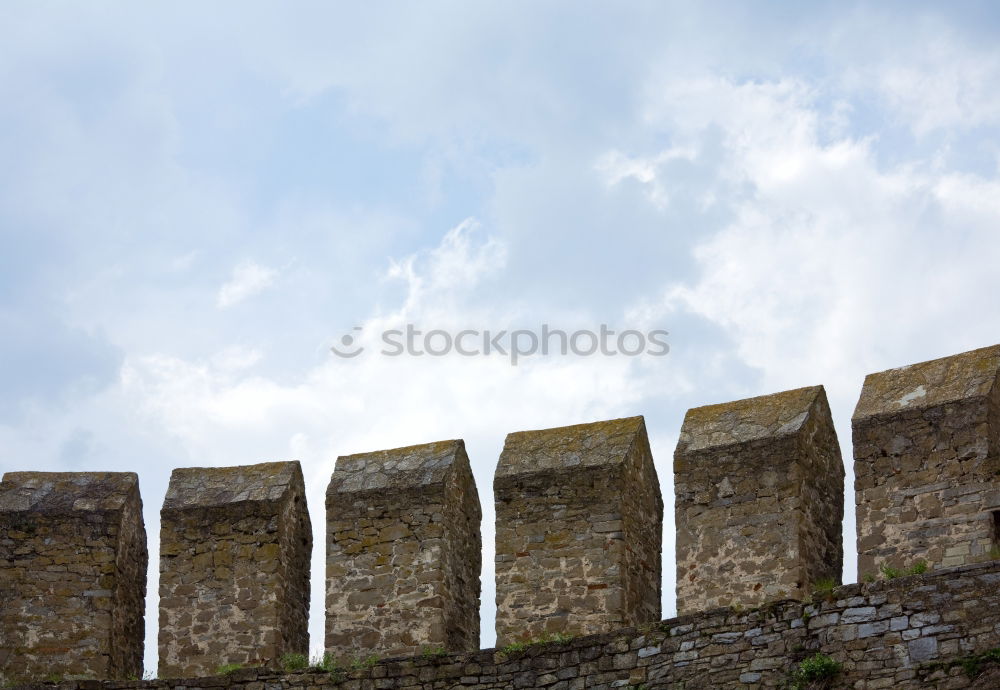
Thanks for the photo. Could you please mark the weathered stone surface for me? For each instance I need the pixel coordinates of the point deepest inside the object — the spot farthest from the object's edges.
(578, 530)
(403, 552)
(710, 650)
(72, 575)
(759, 487)
(927, 464)
(235, 544)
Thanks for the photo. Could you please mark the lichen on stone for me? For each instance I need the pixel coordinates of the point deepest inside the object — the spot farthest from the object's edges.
(740, 421)
(579, 445)
(418, 465)
(937, 382)
(57, 492)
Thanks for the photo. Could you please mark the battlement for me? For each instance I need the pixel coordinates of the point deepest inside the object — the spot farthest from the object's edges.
(758, 509)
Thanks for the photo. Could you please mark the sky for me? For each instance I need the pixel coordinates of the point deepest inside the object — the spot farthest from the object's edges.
(199, 200)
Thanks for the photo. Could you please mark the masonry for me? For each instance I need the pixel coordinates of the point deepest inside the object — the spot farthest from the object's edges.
(922, 631)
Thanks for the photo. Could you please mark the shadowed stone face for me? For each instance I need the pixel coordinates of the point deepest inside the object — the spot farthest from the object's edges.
(579, 519)
(759, 487)
(72, 575)
(927, 472)
(235, 544)
(403, 552)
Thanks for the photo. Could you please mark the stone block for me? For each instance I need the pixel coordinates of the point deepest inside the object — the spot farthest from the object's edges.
(578, 532)
(235, 544)
(403, 552)
(759, 492)
(72, 576)
(926, 463)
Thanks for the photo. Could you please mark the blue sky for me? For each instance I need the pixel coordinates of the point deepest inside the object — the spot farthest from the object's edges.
(197, 200)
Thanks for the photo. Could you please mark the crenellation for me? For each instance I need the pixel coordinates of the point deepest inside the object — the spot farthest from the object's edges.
(759, 505)
(72, 575)
(235, 544)
(403, 552)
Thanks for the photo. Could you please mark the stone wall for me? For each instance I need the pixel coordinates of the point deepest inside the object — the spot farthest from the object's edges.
(927, 463)
(403, 552)
(235, 544)
(759, 500)
(917, 632)
(578, 534)
(72, 575)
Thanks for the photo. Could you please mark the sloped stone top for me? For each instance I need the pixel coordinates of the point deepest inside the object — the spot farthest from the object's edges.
(426, 464)
(566, 447)
(929, 384)
(766, 416)
(207, 487)
(66, 492)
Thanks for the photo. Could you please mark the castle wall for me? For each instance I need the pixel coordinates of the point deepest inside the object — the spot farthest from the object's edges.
(914, 633)
(927, 463)
(235, 544)
(578, 534)
(72, 575)
(759, 490)
(403, 552)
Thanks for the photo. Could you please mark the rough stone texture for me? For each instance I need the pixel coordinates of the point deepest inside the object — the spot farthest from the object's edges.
(72, 575)
(907, 634)
(578, 534)
(926, 463)
(759, 490)
(403, 552)
(235, 544)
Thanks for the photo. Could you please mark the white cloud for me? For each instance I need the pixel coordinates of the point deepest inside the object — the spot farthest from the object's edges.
(831, 266)
(436, 278)
(830, 256)
(617, 166)
(248, 279)
(220, 411)
(945, 86)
